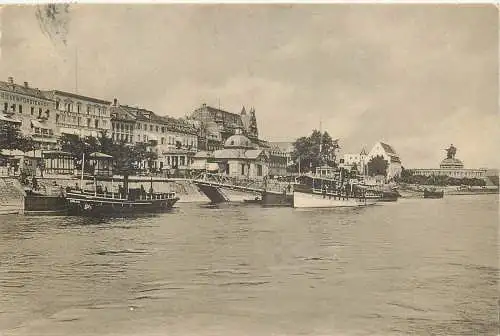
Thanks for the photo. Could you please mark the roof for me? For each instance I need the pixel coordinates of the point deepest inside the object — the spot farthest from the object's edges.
(237, 154)
(121, 113)
(77, 96)
(203, 154)
(253, 153)
(388, 149)
(238, 141)
(283, 146)
(99, 155)
(363, 152)
(23, 90)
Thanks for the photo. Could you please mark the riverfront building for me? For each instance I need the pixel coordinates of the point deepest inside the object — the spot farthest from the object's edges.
(280, 158)
(80, 115)
(356, 160)
(31, 110)
(239, 158)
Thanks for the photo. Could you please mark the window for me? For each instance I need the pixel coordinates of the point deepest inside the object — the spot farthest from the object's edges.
(162, 141)
(163, 129)
(88, 109)
(242, 169)
(157, 129)
(78, 106)
(57, 116)
(5, 107)
(57, 105)
(47, 114)
(151, 128)
(20, 108)
(88, 122)
(40, 112)
(79, 120)
(96, 123)
(32, 110)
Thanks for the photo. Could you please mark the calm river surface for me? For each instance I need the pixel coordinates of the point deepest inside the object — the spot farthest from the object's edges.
(419, 267)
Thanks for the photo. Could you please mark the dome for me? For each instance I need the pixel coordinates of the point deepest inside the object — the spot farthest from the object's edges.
(238, 141)
(451, 163)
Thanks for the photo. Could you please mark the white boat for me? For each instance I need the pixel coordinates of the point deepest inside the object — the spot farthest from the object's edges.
(325, 192)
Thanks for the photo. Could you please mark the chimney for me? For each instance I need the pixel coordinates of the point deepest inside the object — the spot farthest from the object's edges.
(11, 80)
(115, 102)
(26, 85)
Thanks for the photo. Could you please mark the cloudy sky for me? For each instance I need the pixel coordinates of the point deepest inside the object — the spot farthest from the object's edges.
(418, 77)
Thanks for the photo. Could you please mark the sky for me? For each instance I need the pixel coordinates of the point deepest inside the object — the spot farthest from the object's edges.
(418, 77)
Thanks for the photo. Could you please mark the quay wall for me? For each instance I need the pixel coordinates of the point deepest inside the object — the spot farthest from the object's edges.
(11, 196)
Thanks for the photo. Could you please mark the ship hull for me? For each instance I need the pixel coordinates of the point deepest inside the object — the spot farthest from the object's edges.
(89, 206)
(312, 200)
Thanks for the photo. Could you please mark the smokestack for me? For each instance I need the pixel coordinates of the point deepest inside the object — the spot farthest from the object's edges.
(26, 85)
(115, 102)
(11, 80)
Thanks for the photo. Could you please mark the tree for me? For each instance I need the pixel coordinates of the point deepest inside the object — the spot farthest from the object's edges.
(377, 166)
(307, 151)
(12, 139)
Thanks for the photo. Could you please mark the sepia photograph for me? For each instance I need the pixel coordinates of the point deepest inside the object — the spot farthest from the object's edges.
(253, 169)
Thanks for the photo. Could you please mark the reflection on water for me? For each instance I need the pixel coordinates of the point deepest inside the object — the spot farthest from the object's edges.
(413, 267)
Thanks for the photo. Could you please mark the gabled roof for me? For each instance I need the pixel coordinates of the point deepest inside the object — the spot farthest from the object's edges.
(121, 113)
(388, 149)
(283, 146)
(23, 90)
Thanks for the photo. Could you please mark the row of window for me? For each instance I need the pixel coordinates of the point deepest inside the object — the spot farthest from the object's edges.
(62, 119)
(91, 109)
(19, 109)
(24, 100)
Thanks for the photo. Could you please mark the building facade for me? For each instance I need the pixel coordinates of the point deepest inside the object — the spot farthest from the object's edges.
(356, 160)
(280, 158)
(122, 124)
(80, 115)
(32, 110)
(390, 155)
(239, 158)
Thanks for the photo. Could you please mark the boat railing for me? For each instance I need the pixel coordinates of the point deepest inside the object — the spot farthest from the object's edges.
(119, 196)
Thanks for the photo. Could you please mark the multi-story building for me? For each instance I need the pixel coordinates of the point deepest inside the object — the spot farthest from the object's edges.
(356, 160)
(122, 123)
(174, 140)
(216, 125)
(33, 109)
(280, 158)
(81, 115)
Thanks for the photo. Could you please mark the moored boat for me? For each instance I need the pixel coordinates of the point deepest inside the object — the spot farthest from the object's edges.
(433, 193)
(81, 202)
(328, 192)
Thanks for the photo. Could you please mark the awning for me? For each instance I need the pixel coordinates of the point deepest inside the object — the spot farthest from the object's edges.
(37, 124)
(98, 155)
(56, 154)
(69, 131)
(8, 119)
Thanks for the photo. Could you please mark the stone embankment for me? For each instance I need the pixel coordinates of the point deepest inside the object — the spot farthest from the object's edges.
(11, 196)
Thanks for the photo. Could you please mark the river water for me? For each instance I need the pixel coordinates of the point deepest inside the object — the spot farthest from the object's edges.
(419, 267)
